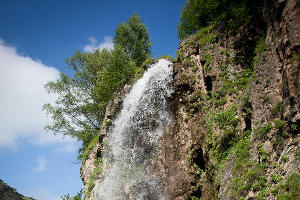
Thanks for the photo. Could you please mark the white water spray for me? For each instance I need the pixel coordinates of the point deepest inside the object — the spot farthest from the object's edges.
(133, 139)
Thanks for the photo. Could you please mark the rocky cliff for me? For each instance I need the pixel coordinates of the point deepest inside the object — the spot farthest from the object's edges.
(236, 111)
(9, 193)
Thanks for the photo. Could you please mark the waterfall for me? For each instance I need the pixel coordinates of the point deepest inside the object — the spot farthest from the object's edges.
(133, 139)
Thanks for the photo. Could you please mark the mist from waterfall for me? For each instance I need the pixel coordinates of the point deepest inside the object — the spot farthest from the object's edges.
(133, 139)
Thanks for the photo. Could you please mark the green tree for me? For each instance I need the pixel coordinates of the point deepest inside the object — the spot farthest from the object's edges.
(76, 111)
(233, 14)
(134, 38)
(121, 70)
(82, 98)
(196, 14)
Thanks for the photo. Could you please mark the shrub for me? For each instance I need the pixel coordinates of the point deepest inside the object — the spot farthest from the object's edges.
(277, 108)
(168, 57)
(285, 158)
(275, 179)
(85, 153)
(91, 184)
(226, 120)
(233, 14)
(262, 131)
(290, 190)
(196, 14)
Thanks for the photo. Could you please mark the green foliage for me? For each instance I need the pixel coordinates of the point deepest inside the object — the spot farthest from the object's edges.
(275, 179)
(148, 62)
(76, 112)
(243, 78)
(262, 194)
(284, 158)
(207, 58)
(78, 196)
(178, 56)
(277, 108)
(279, 125)
(263, 155)
(188, 62)
(233, 14)
(259, 49)
(167, 57)
(247, 173)
(195, 198)
(186, 118)
(205, 35)
(196, 14)
(290, 190)
(221, 102)
(134, 38)
(85, 153)
(226, 120)
(91, 184)
(98, 170)
(262, 131)
(294, 127)
(120, 70)
(82, 98)
(242, 153)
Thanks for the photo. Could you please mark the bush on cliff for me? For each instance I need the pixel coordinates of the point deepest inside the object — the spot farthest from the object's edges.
(233, 14)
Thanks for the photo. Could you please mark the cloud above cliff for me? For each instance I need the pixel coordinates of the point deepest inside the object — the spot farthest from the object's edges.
(42, 164)
(22, 90)
(94, 44)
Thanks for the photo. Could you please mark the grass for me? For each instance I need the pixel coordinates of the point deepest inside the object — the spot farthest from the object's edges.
(91, 184)
(227, 119)
(88, 149)
(277, 108)
(290, 189)
(279, 125)
(284, 158)
(261, 131)
(186, 118)
(275, 179)
(167, 57)
(205, 36)
(263, 155)
(259, 49)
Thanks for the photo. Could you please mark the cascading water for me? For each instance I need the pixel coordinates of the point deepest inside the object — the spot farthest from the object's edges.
(133, 139)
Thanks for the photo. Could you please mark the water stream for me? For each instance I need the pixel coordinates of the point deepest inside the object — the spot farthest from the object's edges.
(133, 139)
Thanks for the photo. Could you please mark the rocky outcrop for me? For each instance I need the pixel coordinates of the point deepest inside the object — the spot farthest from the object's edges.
(9, 193)
(237, 126)
(236, 129)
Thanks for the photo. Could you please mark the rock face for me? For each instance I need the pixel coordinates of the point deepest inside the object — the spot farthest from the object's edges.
(236, 128)
(9, 193)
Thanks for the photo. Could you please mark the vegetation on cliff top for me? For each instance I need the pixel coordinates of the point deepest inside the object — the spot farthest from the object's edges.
(197, 14)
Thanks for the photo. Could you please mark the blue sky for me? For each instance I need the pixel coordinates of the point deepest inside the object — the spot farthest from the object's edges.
(36, 36)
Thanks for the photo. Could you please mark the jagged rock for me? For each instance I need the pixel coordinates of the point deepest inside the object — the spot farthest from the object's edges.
(273, 94)
(268, 146)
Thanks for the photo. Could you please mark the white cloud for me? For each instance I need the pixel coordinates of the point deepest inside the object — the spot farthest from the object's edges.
(22, 92)
(42, 162)
(106, 43)
(67, 148)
